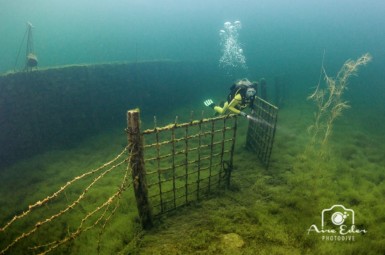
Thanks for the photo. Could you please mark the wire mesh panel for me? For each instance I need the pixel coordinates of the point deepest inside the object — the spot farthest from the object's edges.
(261, 130)
(185, 162)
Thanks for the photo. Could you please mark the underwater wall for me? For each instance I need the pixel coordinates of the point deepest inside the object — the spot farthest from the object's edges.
(58, 107)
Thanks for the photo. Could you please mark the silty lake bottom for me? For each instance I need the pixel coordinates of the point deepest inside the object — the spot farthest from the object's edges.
(263, 212)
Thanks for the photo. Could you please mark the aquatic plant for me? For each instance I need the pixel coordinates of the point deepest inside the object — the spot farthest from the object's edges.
(329, 99)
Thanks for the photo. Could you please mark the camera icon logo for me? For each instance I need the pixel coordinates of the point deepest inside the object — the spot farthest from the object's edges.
(337, 215)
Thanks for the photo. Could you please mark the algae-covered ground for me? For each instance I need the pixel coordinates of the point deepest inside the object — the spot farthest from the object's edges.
(270, 211)
(264, 212)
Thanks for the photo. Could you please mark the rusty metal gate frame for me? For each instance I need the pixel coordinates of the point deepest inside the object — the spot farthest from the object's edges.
(191, 171)
(179, 163)
(261, 130)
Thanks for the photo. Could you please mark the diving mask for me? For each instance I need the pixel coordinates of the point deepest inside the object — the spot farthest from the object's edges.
(250, 92)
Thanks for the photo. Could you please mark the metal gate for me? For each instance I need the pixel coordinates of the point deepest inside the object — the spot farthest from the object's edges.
(261, 130)
(179, 163)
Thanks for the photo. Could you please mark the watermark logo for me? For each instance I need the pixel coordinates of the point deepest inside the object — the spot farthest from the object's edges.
(337, 224)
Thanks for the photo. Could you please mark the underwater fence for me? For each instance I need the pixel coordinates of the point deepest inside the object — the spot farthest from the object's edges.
(261, 130)
(170, 167)
(26, 230)
(183, 162)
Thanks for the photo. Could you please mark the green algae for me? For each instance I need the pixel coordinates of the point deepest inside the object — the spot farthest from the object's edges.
(270, 211)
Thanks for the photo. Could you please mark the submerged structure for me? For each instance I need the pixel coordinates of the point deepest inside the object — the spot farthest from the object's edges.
(185, 162)
(31, 58)
(31, 61)
(58, 107)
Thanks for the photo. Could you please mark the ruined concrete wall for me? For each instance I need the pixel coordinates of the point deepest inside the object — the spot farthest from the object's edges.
(58, 107)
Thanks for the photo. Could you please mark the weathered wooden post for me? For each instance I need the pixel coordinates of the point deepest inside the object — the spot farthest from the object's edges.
(263, 89)
(136, 158)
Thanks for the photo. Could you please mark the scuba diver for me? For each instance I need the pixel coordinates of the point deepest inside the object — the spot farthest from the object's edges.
(242, 95)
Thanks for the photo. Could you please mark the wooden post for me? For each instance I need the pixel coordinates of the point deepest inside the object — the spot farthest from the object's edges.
(263, 89)
(135, 149)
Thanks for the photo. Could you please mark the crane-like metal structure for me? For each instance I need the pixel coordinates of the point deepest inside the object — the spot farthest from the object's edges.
(30, 56)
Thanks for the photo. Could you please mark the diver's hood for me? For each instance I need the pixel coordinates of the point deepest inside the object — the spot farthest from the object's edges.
(244, 81)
